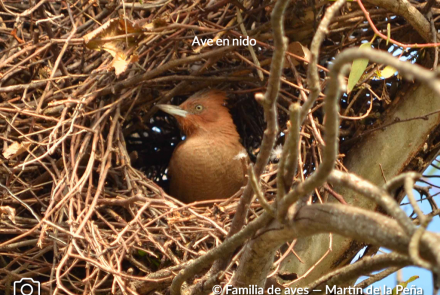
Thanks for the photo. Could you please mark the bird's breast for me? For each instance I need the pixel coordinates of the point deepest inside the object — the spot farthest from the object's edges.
(206, 168)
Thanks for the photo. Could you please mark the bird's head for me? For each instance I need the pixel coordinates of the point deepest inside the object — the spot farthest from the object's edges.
(205, 111)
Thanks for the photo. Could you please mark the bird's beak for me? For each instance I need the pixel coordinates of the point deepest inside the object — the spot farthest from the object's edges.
(172, 110)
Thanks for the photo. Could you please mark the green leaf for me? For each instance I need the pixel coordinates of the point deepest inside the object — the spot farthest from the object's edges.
(141, 253)
(387, 72)
(405, 284)
(357, 69)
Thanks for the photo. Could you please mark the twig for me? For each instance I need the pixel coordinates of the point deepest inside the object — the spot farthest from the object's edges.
(379, 196)
(365, 266)
(257, 190)
(377, 32)
(289, 158)
(221, 251)
(377, 277)
(312, 70)
(269, 105)
(24, 13)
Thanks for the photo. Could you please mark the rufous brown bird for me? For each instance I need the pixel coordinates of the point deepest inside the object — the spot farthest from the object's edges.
(207, 164)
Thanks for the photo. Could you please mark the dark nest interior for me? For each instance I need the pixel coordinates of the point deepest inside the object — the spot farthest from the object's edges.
(84, 151)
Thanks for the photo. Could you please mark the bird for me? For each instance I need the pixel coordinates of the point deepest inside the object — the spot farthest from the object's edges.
(207, 165)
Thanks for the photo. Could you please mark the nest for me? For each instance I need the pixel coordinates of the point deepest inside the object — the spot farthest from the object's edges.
(84, 153)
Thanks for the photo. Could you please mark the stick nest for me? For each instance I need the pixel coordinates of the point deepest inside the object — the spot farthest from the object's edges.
(84, 154)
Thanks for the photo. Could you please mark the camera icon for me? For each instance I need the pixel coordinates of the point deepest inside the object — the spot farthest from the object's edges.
(25, 287)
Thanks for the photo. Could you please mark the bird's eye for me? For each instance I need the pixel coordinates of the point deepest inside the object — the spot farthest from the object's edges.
(199, 108)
